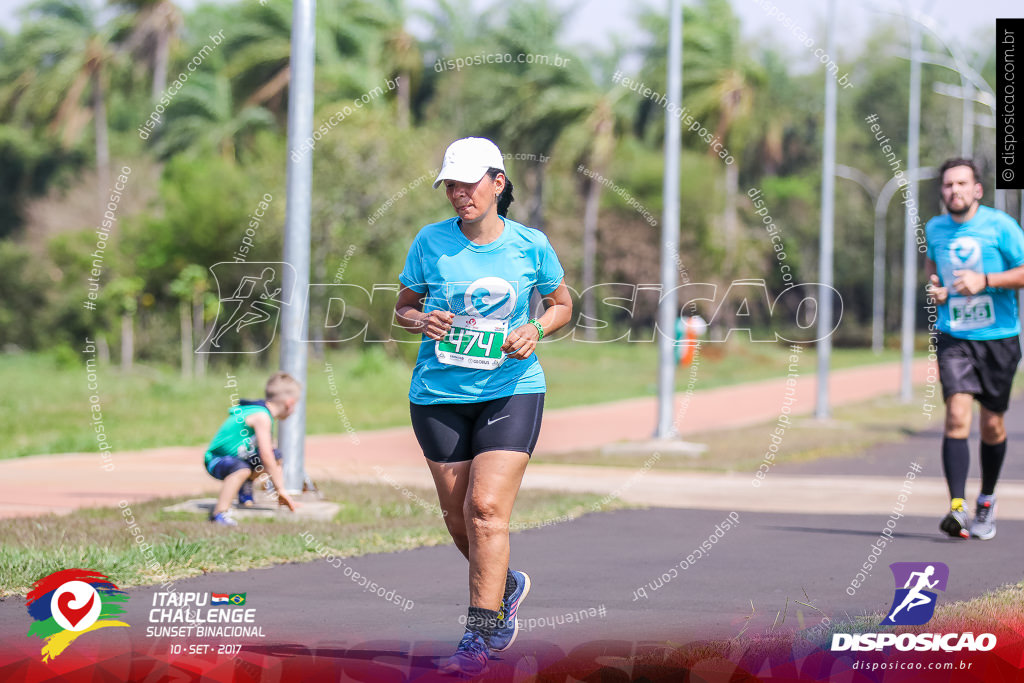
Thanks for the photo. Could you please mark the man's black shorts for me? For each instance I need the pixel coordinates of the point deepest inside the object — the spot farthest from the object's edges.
(456, 432)
(983, 368)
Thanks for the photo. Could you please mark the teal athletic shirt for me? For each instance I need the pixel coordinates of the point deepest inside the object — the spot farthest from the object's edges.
(492, 281)
(235, 438)
(991, 242)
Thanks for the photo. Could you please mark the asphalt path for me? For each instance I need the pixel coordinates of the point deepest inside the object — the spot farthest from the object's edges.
(611, 583)
(596, 563)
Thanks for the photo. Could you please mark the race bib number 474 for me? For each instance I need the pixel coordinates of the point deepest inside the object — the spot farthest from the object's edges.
(473, 342)
(971, 312)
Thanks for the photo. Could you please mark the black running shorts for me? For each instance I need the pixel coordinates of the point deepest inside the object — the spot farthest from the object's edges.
(456, 432)
(982, 368)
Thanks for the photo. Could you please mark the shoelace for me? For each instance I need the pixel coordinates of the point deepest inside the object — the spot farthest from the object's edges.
(472, 643)
(982, 514)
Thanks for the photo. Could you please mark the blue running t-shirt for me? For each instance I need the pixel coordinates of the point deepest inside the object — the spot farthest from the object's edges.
(990, 242)
(492, 281)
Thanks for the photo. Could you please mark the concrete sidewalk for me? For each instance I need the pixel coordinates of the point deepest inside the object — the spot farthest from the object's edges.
(62, 483)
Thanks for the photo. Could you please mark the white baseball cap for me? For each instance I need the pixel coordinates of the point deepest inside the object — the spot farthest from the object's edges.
(468, 159)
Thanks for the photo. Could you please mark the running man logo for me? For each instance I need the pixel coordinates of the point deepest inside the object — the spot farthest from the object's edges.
(70, 603)
(914, 602)
(250, 297)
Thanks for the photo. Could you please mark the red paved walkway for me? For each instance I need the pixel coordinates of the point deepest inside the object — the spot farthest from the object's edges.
(61, 483)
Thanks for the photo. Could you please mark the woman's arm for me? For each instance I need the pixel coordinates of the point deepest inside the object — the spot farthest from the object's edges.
(523, 340)
(410, 316)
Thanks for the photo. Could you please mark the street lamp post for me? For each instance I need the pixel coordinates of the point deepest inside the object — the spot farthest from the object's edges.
(667, 307)
(909, 224)
(296, 235)
(825, 244)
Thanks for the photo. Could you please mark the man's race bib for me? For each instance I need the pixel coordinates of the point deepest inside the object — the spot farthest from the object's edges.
(473, 342)
(971, 312)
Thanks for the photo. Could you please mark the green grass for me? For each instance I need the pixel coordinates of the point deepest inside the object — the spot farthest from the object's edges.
(373, 519)
(852, 429)
(46, 402)
(579, 373)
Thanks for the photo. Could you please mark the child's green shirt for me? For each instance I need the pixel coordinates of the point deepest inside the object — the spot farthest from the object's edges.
(235, 437)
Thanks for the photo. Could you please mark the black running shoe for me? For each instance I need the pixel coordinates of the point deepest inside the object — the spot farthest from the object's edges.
(955, 524)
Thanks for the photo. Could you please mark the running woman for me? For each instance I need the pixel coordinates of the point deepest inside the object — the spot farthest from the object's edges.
(975, 262)
(477, 391)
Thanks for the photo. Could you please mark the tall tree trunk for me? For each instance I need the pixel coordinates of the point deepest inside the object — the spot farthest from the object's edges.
(99, 110)
(186, 340)
(199, 330)
(160, 58)
(590, 211)
(536, 204)
(730, 231)
(730, 218)
(404, 97)
(318, 313)
(127, 342)
(102, 349)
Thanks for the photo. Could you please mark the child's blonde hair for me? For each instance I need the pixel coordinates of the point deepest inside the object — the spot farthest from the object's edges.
(282, 385)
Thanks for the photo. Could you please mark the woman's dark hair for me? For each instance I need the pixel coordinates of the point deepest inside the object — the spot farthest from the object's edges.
(506, 195)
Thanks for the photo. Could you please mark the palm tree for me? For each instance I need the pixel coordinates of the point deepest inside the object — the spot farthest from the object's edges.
(259, 51)
(525, 105)
(66, 52)
(402, 57)
(456, 30)
(202, 117)
(602, 114)
(155, 28)
(720, 83)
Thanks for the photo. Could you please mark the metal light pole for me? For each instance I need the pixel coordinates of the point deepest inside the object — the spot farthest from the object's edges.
(668, 308)
(825, 245)
(967, 125)
(909, 243)
(296, 235)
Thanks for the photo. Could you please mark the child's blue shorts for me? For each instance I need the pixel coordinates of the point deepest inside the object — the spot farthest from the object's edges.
(223, 466)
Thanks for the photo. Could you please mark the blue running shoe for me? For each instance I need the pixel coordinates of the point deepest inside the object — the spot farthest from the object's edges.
(223, 519)
(470, 658)
(245, 498)
(508, 626)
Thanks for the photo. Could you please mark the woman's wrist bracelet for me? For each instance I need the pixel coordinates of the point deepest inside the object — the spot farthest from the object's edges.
(540, 330)
(986, 280)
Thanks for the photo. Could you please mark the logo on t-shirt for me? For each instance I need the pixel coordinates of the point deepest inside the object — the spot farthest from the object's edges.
(490, 297)
(965, 254)
(968, 312)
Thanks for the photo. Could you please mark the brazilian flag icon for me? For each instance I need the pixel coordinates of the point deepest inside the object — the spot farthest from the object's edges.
(237, 598)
